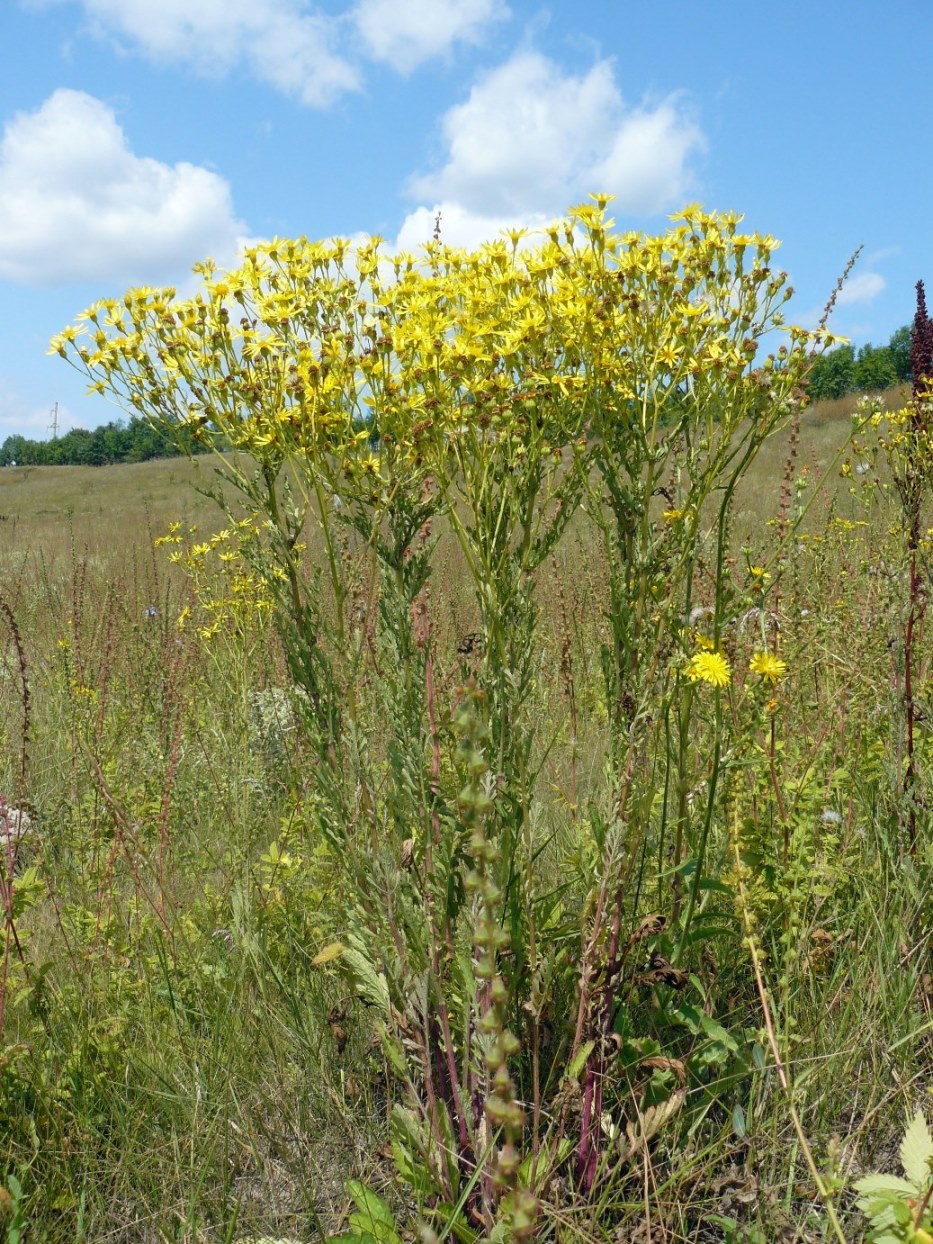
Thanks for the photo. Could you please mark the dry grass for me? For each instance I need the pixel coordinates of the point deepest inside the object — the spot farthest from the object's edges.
(190, 1087)
(102, 508)
(105, 510)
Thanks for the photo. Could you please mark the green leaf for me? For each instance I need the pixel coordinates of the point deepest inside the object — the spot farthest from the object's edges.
(454, 1224)
(369, 1202)
(884, 1185)
(917, 1152)
(380, 1233)
(573, 1071)
(393, 1051)
(716, 887)
(368, 983)
(374, 1219)
(706, 932)
(408, 1129)
(716, 1032)
(548, 1159)
(687, 1015)
(414, 1173)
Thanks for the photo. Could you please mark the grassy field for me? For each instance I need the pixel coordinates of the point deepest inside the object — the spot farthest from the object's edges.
(38, 505)
(179, 1057)
(45, 504)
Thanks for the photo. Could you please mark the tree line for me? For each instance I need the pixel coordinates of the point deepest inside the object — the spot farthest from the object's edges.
(869, 369)
(119, 441)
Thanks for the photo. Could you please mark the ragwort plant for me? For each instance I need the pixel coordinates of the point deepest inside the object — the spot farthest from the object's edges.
(357, 401)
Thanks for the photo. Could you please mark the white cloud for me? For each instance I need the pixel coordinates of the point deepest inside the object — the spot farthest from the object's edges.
(289, 44)
(647, 162)
(76, 203)
(405, 33)
(279, 41)
(531, 139)
(861, 288)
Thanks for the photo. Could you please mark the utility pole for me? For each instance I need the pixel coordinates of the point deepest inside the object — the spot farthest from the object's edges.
(53, 426)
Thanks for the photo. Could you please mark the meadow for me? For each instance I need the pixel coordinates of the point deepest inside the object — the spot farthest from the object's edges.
(462, 844)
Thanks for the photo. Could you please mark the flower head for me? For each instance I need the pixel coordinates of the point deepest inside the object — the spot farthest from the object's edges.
(769, 667)
(711, 667)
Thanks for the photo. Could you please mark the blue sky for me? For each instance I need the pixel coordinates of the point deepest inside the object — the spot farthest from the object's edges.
(139, 136)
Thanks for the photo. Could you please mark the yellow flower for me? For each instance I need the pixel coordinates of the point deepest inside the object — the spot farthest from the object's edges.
(769, 667)
(711, 667)
(669, 355)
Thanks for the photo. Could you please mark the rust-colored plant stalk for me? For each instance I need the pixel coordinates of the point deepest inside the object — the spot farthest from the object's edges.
(911, 486)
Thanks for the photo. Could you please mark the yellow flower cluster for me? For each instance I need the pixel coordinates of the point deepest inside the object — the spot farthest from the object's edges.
(707, 665)
(309, 348)
(226, 588)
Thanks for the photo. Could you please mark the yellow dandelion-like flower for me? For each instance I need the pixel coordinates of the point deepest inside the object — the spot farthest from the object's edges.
(769, 667)
(711, 667)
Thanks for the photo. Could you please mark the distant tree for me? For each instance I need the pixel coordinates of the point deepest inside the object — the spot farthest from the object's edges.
(833, 374)
(874, 369)
(870, 370)
(145, 442)
(74, 448)
(899, 349)
(15, 449)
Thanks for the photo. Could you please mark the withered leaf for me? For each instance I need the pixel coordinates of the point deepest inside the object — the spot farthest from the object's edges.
(651, 926)
(662, 972)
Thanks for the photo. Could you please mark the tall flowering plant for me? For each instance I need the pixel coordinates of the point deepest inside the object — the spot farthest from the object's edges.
(356, 401)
